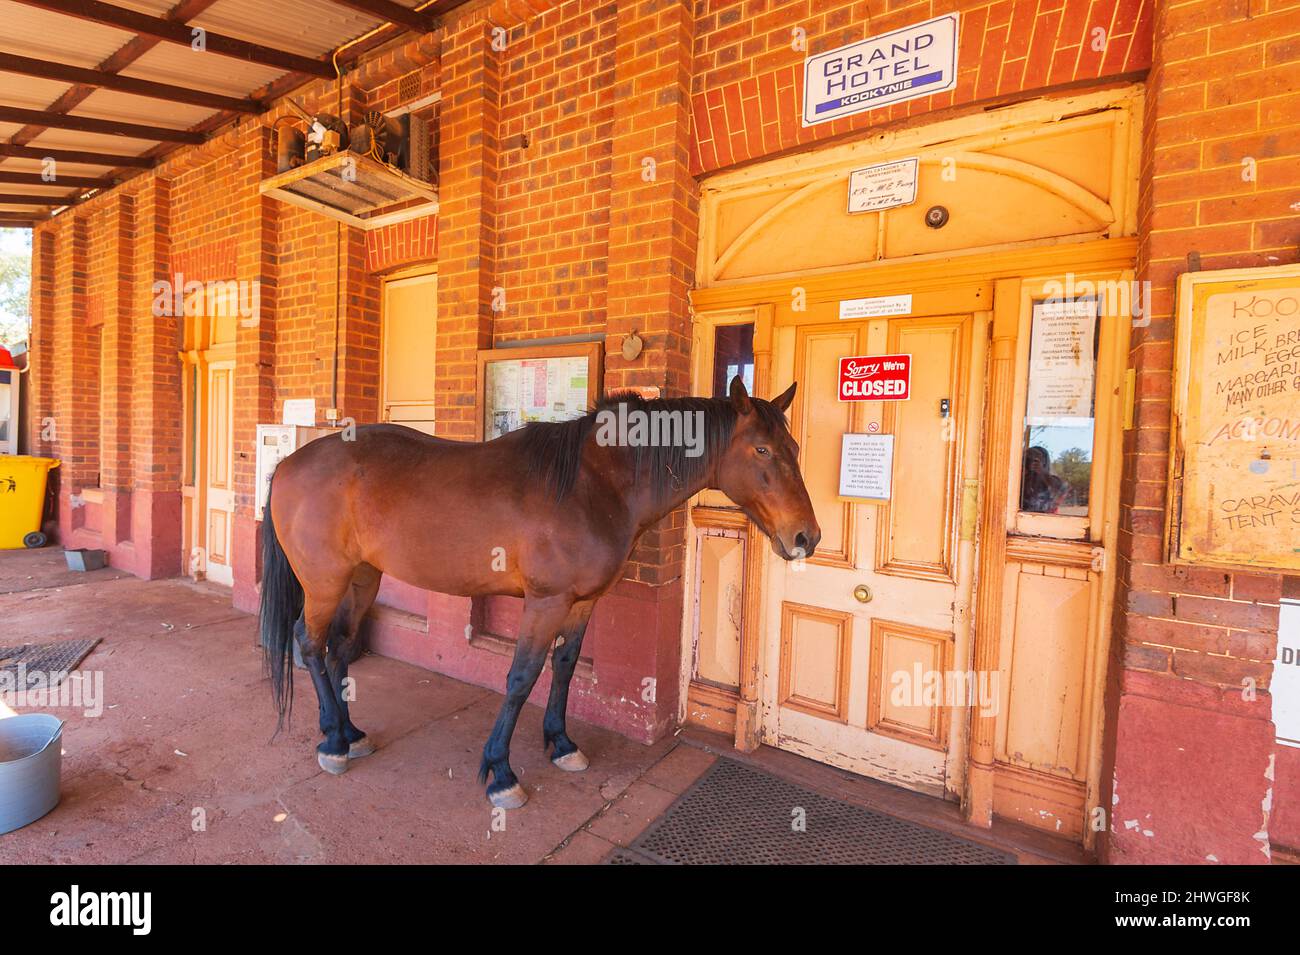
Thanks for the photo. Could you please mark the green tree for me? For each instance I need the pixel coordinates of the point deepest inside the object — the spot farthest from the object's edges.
(1075, 466)
(15, 285)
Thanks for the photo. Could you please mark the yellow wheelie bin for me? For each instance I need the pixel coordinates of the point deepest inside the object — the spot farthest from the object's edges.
(22, 499)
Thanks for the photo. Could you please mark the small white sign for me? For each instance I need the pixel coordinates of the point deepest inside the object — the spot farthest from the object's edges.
(299, 411)
(876, 307)
(867, 466)
(884, 186)
(1285, 686)
(1061, 360)
(916, 61)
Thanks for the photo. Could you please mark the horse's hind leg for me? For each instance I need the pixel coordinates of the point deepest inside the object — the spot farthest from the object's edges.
(564, 661)
(312, 632)
(543, 617)
(343, 646)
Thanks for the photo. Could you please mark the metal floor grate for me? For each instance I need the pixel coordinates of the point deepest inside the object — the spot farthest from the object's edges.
(40, 660)
(735, 815)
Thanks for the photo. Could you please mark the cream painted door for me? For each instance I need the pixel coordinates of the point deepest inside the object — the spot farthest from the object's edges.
(219, 495)
(864, 638)
(410, 322)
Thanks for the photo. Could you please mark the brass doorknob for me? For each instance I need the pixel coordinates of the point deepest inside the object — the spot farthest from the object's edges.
(862, 593)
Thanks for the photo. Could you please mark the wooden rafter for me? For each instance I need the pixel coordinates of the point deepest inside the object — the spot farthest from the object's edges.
(26, 66)
(180, 33)
(75, 155)
(87, 124)
(36, 179)
(23, 199)
(392, 12)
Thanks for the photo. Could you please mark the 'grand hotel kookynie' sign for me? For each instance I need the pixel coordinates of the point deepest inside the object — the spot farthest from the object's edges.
(919, 60)
(1235, 497)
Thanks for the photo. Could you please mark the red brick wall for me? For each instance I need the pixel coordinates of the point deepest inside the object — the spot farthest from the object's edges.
(747, 88)
(1221, 97)
(557, 77)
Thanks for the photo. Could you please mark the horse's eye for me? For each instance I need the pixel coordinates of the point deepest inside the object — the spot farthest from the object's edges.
(763, 451)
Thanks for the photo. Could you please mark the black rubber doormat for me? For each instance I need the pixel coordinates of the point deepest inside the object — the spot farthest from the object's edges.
(735, 815)
(40, 661)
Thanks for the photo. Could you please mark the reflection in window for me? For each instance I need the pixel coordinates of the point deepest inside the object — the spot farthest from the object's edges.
(1060, 415)
(733, 354)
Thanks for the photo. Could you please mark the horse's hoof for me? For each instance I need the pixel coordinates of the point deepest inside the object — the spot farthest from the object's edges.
(334, 765)
(362, 747)
(574, 762)
(511, 798)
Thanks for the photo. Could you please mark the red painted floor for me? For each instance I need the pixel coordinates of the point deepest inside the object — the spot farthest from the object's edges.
(185, 735)
(179, 765)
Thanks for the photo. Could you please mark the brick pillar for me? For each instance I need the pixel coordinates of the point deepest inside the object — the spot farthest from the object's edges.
(654, 215)
(156, 392)
(40, 382)
(467, 169)
(359, 334)
(116, 474)
(76, 383)
(256, 261)
(1189, 757)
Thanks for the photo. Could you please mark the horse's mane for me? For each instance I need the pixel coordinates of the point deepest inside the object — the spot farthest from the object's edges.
(553, 450)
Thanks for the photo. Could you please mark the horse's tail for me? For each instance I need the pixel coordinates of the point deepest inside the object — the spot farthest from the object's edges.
(281, 606)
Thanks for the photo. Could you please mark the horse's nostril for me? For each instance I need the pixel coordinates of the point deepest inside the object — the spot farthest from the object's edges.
(801, 541)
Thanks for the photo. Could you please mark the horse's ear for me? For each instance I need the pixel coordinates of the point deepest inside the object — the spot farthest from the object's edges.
(739, 396)
(783, 400)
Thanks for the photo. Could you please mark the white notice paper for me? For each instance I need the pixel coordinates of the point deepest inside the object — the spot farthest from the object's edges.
(867, 466)
(1062, 360)
(299, 411)
(883, 186)
(876, 307)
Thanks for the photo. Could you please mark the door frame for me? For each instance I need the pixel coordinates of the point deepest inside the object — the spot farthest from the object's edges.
(410, 275)
(961, 281)
(195, 411)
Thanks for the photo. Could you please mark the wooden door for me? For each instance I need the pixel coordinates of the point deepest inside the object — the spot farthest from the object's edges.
(864, 638)
(219, 494)
(409, 331)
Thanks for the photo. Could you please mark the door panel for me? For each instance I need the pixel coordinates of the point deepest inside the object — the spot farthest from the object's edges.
(822, 423)
(815, 660)
(918, 536)
(920, 717)
(220, 497)
(847, 678)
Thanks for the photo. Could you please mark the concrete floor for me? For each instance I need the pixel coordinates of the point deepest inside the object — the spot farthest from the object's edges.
(180, 766)
(186, 727)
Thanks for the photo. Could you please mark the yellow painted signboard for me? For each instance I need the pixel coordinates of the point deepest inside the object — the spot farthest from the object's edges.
(1235, 470)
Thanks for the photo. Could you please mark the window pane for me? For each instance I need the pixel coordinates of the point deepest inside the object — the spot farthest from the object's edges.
(733, 354)
(1060, 412)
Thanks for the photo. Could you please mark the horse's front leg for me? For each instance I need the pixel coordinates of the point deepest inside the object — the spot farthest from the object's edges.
(564, 661)
(542, 619)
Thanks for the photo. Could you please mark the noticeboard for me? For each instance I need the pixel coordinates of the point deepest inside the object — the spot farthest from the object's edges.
(1235, 469)
(517, 386)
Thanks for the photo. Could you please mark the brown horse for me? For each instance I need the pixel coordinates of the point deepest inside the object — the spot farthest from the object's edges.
(549, 513)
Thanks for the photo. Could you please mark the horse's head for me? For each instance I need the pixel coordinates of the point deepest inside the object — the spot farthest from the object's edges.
(760, 471)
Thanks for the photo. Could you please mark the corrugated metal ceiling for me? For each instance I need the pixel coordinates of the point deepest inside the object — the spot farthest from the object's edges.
(309, 28)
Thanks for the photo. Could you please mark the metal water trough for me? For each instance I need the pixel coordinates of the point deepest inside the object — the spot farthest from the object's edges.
(31, 748)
